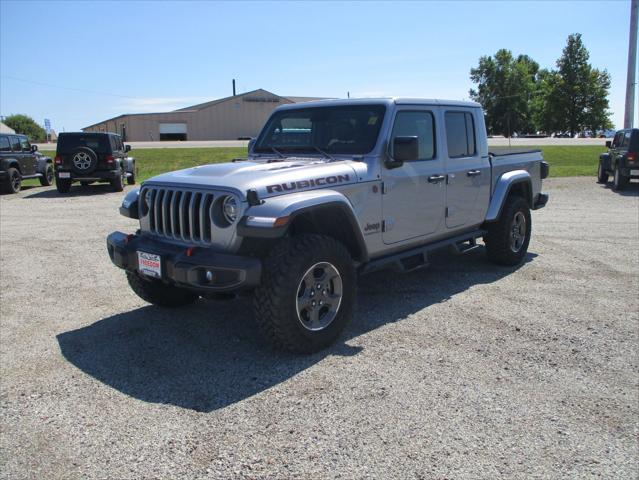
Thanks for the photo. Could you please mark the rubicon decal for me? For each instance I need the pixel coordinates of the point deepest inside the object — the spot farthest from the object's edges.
(315, 182)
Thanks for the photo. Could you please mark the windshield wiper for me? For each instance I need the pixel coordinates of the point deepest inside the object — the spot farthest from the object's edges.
(275, 150)
(327, 155)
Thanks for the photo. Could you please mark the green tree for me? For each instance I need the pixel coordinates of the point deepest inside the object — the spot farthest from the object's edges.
(27, 126)
(580, 94)
(505, 86)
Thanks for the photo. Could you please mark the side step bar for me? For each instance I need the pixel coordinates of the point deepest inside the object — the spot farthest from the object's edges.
(416, 258)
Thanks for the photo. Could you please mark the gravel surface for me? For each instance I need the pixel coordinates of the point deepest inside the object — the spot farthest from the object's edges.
(462, 370)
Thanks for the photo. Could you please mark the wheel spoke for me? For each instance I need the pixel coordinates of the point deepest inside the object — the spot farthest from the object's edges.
(319, 296)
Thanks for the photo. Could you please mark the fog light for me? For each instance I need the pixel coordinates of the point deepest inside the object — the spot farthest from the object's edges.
(209, 276)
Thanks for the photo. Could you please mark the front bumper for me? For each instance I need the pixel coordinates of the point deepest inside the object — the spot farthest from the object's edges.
(96, 175)
(540, 201)
(227, 272)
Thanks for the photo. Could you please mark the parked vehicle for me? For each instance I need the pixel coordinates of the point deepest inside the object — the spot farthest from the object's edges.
(622, 159)
(330, 189)
(93, 157)
(19, 160)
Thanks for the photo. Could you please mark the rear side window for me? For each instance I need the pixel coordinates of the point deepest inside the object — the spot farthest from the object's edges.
(4, 144)
(97, 143)
(420, 125)
(460, 134)
(15, 144)
(625, 143)
(24, 143)
(634, 141)
(617, 140)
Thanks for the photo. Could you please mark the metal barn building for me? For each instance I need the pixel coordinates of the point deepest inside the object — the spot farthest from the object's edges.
(230, 118)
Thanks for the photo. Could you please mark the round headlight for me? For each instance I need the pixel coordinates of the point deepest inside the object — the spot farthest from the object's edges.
(230, 208)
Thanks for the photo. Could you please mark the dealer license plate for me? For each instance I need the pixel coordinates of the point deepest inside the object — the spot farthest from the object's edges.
(64, 175)
(634, 172)
(150, 264)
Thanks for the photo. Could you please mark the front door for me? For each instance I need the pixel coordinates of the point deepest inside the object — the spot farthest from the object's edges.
(414, 193)
(467, 172)
(29, 161)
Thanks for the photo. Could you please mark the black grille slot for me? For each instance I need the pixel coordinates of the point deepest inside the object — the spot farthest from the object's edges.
(180, 214)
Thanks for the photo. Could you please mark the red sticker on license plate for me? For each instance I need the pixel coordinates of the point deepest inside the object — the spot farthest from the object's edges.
(150, 264)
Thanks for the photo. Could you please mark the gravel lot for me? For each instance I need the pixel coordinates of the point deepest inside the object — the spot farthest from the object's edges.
(462, 370)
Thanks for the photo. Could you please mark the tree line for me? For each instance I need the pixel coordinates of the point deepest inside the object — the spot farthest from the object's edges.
(519, 96)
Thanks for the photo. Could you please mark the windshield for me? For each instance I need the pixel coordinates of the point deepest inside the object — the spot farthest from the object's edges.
(351, 129)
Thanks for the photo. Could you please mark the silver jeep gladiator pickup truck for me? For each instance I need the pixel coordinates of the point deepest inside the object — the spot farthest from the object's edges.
(330, 190)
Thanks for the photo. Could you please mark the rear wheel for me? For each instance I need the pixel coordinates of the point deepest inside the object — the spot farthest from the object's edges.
(47, 178)
(619, 181)
(508, 238)
(118, 182)
(307, 294)
(13, 182)
(602, 175)
(63, 185)
(159, 293)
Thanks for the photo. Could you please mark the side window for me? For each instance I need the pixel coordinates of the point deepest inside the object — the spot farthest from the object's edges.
(24, 144)
(15, 144)
(420, 125)
(617, 140)
(626, 140)
(114, 143)
(460, 134)
(5, 146)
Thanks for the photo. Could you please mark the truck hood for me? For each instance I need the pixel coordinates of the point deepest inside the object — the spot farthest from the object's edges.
(269, 179)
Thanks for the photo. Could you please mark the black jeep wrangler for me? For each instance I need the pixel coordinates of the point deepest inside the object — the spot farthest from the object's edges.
(622, 159)
(93, 157)
(20, 160)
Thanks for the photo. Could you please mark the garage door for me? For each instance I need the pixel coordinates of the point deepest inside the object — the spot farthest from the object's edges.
(172, 131)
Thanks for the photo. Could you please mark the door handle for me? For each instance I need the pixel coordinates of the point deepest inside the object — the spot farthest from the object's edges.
(436, 178)
(473, 173)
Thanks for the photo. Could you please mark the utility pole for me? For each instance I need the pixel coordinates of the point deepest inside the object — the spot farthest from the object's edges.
(629, 115)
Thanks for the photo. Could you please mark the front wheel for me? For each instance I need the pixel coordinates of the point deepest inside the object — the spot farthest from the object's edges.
(130, 180)
(602, 175)
(307, 294)
(159, 293)
(46, 179)
(508, 238)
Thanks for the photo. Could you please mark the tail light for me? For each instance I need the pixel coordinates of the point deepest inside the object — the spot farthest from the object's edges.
(631, 157)
(109, 159)
(58, 160)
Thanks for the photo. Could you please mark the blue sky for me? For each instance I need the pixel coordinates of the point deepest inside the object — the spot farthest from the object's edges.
(82, 62)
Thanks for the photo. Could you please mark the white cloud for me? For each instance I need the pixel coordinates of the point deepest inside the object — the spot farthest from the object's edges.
(158, 104)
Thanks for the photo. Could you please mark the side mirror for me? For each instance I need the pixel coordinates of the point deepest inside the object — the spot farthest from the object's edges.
(34, 148)
(127, 148)
(608, 144)
(251, 144)
(404, 149)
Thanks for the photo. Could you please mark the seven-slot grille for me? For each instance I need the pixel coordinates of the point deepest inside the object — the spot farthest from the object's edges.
(179, 214)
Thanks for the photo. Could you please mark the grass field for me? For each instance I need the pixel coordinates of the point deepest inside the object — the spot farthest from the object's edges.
(565, 161)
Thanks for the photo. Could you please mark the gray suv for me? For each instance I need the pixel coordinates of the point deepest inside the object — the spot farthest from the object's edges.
(19, 160)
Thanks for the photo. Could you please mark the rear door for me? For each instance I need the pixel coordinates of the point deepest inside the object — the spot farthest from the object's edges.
(467, 171)
(414, 193)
